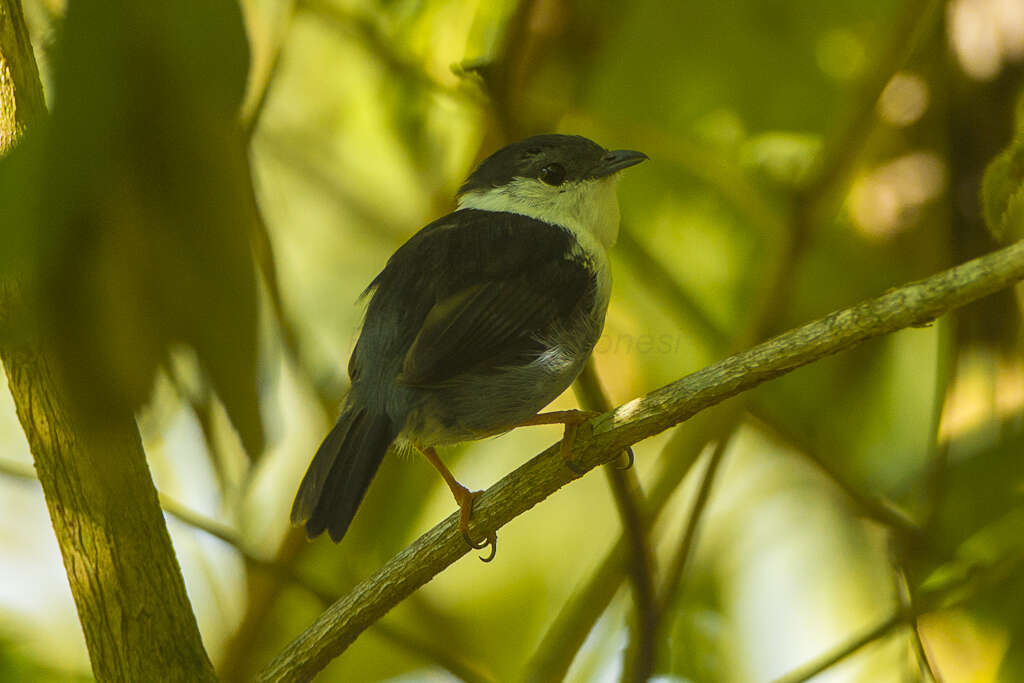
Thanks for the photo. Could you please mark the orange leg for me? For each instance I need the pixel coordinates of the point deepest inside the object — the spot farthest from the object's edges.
(464, 499)
(571, 419)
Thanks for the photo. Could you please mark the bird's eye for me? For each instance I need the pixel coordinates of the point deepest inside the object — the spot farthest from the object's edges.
(553, 174)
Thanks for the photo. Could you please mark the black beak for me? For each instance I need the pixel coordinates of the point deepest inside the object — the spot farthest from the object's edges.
(615, 161)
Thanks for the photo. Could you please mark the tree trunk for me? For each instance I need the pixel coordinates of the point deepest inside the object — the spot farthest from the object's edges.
(121, 567)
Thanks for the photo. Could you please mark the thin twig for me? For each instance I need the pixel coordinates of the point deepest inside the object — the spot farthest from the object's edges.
(285, 572)
(17, 470)
(905, 602)
(376, 42)
(957, 591)
(576, 618)
(441, 653)
(839, 157)
(263, 251)
(201, 522)
(883, 629)
(937, 474)
(674, 575)
(200, 402)
(908, 603)
(567, 633)
(875, 508)
(924, 662)
(253, 112)
(912, 304)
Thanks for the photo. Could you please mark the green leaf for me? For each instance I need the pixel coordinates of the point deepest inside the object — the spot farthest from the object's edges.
(1002, 188)
(145, 204)
(983, 491)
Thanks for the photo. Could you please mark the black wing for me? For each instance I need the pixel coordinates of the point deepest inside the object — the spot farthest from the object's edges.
(473, 291)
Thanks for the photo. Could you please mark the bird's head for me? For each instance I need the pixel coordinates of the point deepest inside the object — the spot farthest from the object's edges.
(565, 180)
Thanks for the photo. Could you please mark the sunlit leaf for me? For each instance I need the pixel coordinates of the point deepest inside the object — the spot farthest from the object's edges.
(1002, 192)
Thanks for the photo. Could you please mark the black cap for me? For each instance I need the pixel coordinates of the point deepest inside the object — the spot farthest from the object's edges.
(552, 158)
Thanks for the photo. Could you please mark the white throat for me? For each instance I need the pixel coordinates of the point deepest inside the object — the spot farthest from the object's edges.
(587, 208)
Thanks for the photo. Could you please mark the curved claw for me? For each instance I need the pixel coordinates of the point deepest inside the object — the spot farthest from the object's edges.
(472, 544)
(465, 499)
(491, 540)
(629, 459)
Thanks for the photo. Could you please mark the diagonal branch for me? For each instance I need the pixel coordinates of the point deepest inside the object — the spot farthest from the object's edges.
(917, 303)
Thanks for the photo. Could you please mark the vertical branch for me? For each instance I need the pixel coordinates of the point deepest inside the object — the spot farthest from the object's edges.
(907, 603)
(121, 567)
(566, 634)
(124, 576)
(629, 501)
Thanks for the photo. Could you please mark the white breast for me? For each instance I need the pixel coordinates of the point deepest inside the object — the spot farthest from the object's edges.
(587, 208)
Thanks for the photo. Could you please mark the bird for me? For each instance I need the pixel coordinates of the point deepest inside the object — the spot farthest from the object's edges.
(476, 323)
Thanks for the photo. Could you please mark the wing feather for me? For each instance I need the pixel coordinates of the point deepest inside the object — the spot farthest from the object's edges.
(474, 292)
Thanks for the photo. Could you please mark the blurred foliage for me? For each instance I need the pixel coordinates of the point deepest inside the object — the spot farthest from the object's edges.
(132, 204)
(130, 220)
(20, 666)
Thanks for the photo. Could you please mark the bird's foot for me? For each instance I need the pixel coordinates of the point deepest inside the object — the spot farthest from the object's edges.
(572, 430)
(625, 462)
(465, 498)
(571, 420)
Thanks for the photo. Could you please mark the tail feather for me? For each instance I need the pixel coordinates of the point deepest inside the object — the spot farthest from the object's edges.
(340, 473)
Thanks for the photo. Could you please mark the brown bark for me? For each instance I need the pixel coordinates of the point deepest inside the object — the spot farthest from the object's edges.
(21, 94)
(128, 588)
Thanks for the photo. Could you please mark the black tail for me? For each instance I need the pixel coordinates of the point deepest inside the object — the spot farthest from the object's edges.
(341, 471)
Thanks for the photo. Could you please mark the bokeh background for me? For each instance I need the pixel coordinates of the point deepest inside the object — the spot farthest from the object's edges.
(803, 156)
